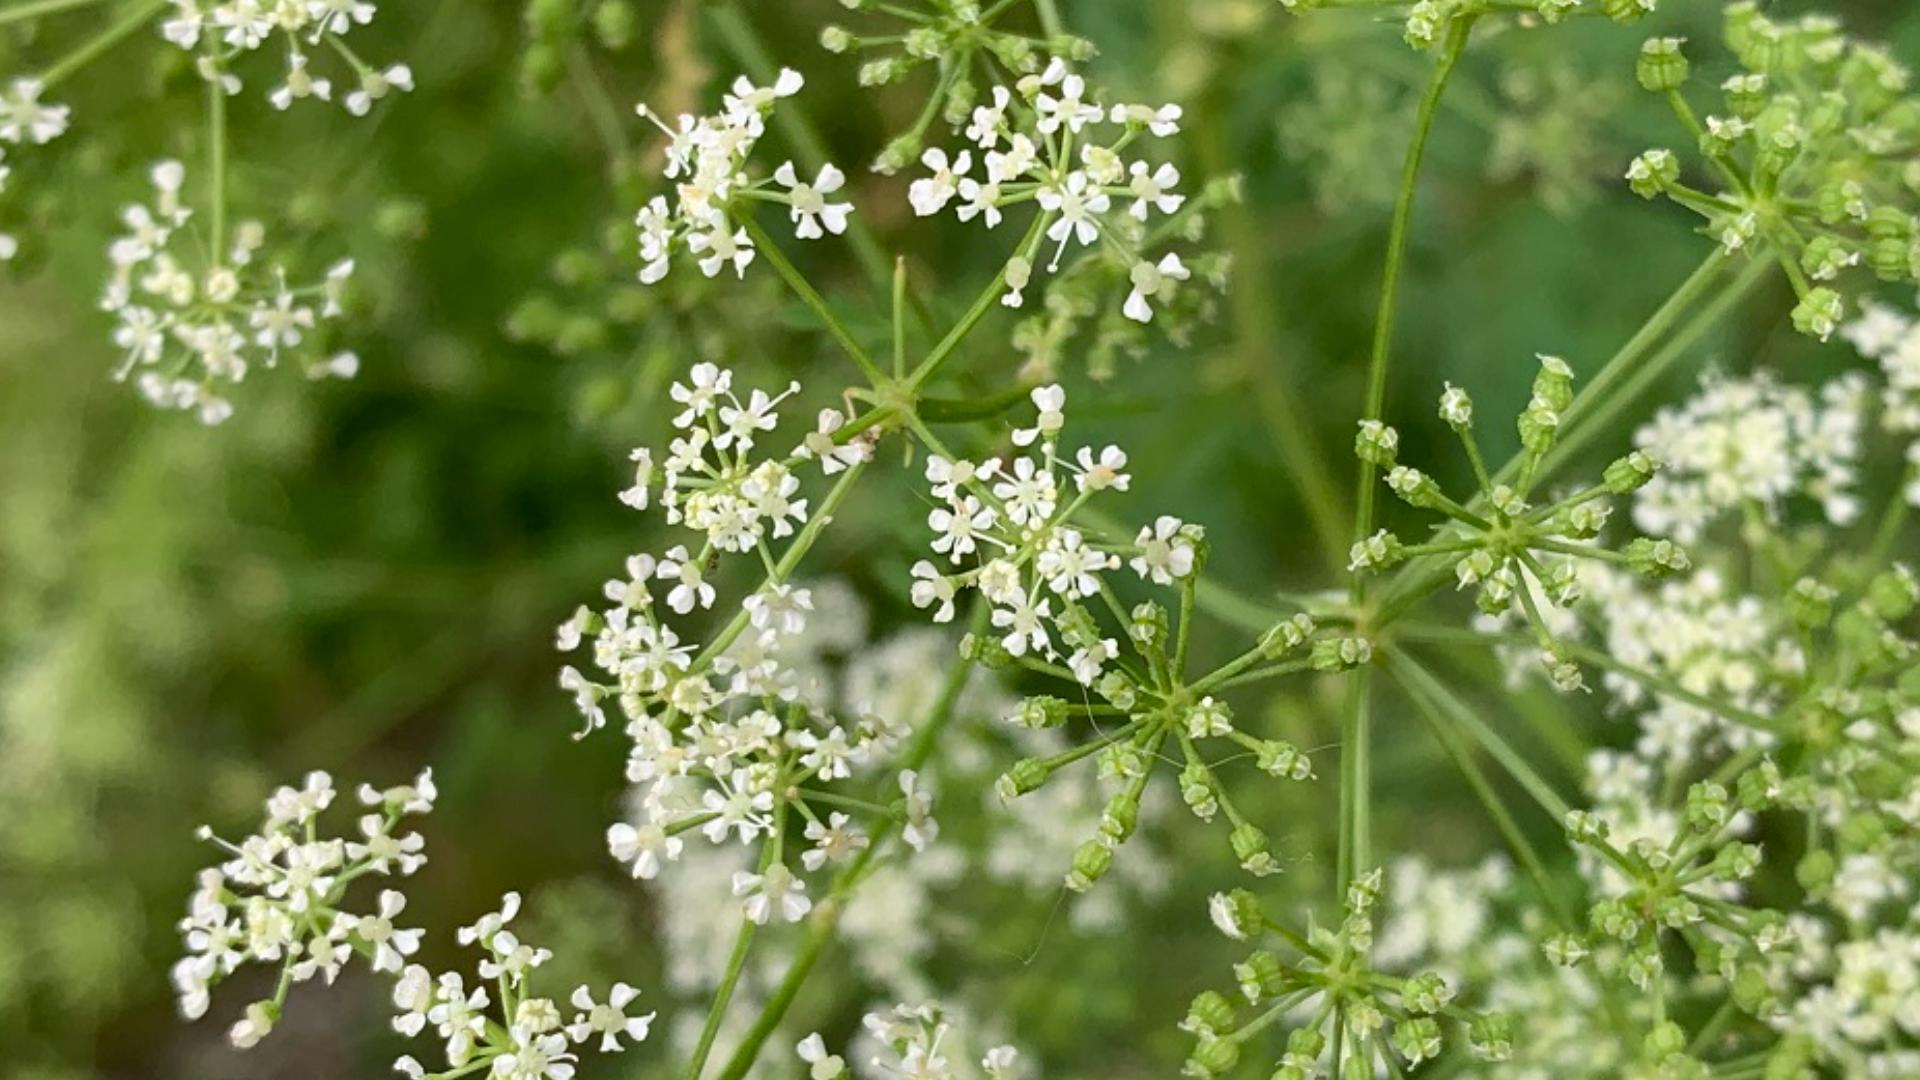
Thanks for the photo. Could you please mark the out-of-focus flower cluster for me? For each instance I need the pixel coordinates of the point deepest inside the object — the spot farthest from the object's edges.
(190, 322)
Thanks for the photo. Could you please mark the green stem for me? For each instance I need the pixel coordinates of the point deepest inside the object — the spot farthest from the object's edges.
(37, 8)
(812, 298)
(1457, 35)
(736, 964)
(1416, 680)
(826, 917)
(1356, 780)
(136, 16)
(217, 168)
(974, 314)
(1497, 748)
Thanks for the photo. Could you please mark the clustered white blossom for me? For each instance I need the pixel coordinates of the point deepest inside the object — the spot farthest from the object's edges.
(1749, 443)
(1892, 339)
(707, 157)
(223, 31)
(1049, 142)
(912, 1042)
(723, 736)
(282, 900)
(190, 323)
(520, 1036)
(279, 900)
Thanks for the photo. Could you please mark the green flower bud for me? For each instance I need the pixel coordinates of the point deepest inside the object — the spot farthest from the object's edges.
(1196, 790)
(1261, 977)
(1564, 950)
(1456, 408)
(1894, 594)
(835, 39)
(1117, 690)
(1840, 202)
(1490, 1036)
(1209, 1013)
(1027, 774)
(1563, 672)
(1825, 256)
(1091, 861)
(1811, 603)
(1078, 627)
(1653, 172)
(1815, 870)
(1306, 1042)
(1283, 760)
(1627, 11)
(1662, 66)
(1417, 1039)
(1746, 94)
(985, 650)
(1340, 654)
(1377, 443)
(1707, 806)
(1656, 558)
(1249, 844)
(1236, 914)
(1376, 552)
(1539, 425)
(1213, 1057)
(1415, 487)
(1286, 635)
(1120, 818)
(1426, 993)
(614, 24)
(1629, 474)
(1148, 625)
(1818, 314)
(1553, 383)
(898, 153)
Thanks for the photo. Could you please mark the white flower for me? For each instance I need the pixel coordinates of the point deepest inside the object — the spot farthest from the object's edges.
(832, 842)
(1165, 554)
(1078, 205)
(608, 1019)
(775, 892)
(644, 847)
(929, 195)
(24, 118)
(1153, 190)
(1107, 472)
(920, 828)
(821, 1065)
(375, 85)
(1069, 108)
(959, 526)
(1153, 281)
(930, 587)
(809, 206)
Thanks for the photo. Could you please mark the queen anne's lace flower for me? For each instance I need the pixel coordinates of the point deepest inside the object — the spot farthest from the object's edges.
(707, 158)
(189, 326)
(220, 32)
(1047, 142)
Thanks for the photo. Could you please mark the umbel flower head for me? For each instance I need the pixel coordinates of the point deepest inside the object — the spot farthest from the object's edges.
(707, 157)
(282, 900)
(1805, 157)
(1347, 1014)
(221, 32)
(191, 323)
(726, 737)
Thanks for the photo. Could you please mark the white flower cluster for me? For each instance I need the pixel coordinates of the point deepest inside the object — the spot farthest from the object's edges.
(1752, 442)
(707, 156)
(279, 899)
(1050, 143)
(531, 1039)
(1892, 339)
(187, 321)
(24, 118)
(1014, 520)
(722, 737)
(913, 1042)
(222, 31)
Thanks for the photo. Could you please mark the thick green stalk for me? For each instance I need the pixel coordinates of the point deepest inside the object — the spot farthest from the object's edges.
(1356, 766)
